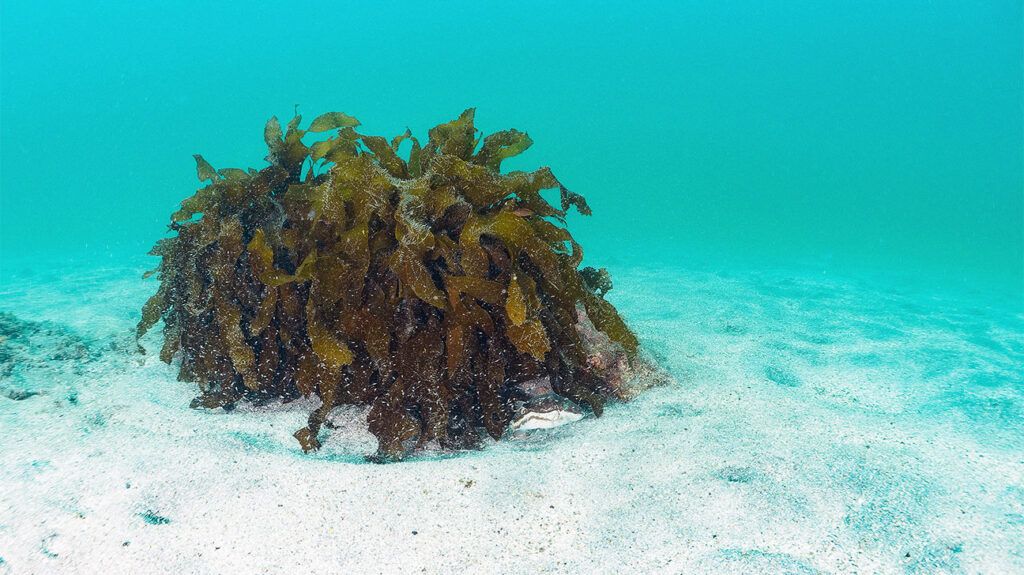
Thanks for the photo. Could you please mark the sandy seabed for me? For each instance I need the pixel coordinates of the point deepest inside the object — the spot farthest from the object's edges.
(815, 425)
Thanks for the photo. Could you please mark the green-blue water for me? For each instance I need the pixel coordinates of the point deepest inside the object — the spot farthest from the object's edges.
(860, 134)
(813, 213)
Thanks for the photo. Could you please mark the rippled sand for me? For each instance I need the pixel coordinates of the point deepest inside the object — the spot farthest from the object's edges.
(815, 425)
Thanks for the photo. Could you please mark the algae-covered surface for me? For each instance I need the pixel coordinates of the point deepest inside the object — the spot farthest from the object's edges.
(814, 425)
(427, 284)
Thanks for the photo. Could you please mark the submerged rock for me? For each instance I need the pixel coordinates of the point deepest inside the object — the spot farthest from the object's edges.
(37, 357)
(624, 379)
(20, 394)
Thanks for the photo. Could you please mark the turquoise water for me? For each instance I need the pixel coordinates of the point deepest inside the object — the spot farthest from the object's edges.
(814, 216)
(858, 135)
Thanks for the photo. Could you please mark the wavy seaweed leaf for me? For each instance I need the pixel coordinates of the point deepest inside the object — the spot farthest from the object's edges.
(422, 286)
(332, 121)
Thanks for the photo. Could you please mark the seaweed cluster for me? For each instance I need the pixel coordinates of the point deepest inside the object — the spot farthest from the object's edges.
(425, 286)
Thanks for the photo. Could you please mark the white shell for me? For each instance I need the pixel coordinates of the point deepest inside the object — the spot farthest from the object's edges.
(545, 419)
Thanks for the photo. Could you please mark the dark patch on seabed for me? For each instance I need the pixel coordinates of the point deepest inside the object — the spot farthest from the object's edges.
(757, 561)
(738, 474)
(153, 518)
(46, 358)
(42, 349)
(781, 376)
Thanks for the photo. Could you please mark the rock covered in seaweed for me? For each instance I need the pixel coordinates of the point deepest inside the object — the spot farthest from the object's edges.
(427, 287)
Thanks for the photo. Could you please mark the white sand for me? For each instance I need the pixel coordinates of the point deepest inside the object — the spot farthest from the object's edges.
(815, 427)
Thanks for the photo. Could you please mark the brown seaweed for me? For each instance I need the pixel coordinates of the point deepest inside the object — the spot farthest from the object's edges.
(424, 286)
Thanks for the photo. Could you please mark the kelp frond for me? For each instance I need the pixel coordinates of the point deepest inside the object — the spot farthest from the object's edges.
(425, 286)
